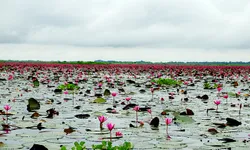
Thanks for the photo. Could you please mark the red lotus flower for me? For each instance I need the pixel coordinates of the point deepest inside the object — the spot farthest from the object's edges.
(118, 134)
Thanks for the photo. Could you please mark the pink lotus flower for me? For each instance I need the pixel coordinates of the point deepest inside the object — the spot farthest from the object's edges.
(99, 85)
(217, 102)
(186, 82)
(225, 96)
(114, 94)
(7, 107)
(219, 89)
(152, 90)
(172, 93)
(110, 126)
(10, 77)
(113, 111)
(136, 108)
(66, 92)
(150, 112)
(102, 119)
(118, 134)
(162, 99)
(128, 99)
(168, 121)
(141, 123)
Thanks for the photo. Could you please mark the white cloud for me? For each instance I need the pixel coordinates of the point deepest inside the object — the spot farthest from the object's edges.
(159, 25)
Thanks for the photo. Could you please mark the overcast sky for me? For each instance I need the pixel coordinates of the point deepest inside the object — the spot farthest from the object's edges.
(151, 30)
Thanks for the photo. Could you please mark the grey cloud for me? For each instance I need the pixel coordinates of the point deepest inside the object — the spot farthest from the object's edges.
(206, 24)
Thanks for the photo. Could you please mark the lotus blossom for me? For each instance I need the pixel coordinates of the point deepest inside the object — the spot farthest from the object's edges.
(7, 107)
(136, 109)
(102, 119)
(110, 127)
(171, 93)
(99, 85)
(217, 103)
(128, 99)
(150, 112)
(152, 92)
(168, 122)
(141, 124)
(118, 134)
(114, 111)
(219, 89)
(225, 96)
(114, 94)
(66, 92)
(11, 77)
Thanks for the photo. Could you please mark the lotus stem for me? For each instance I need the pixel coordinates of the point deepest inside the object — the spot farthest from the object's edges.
(101, 128)
(136, 118)
(167, 131)
(110, 136)
(113, 101)
(7, 118)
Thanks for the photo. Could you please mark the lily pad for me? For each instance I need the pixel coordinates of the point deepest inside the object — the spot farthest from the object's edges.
(36, 83)
(37, 146)
(33, 105)
(184, 119)
(82, 116)
(100, 100)
(107, 92)
(155, 122)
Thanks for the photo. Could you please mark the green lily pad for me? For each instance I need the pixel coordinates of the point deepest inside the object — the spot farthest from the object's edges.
(183, 119)
(33, 105)
(131, 93)
(231, 94)
(100, 100)
(107, 92)
(168, 110)
(36, 83)
(69, 86)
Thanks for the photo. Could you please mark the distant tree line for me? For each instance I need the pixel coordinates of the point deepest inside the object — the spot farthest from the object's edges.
(103, 62)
